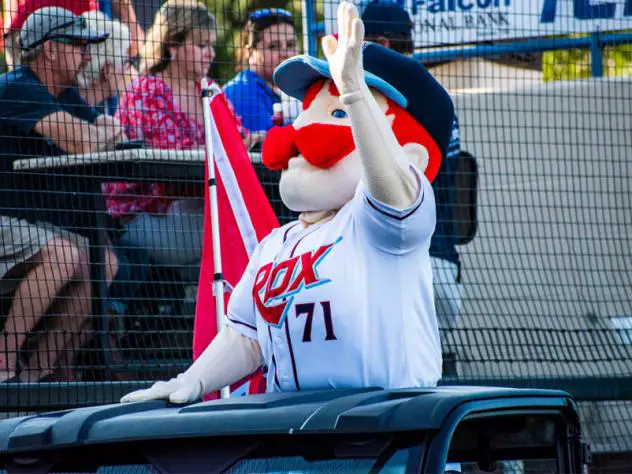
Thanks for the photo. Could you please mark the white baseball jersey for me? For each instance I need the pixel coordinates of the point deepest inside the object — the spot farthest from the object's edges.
(347, 302)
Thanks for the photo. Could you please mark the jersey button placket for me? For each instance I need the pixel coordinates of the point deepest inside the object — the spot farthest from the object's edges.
(280, 344)
(277, 340)
(280, 355)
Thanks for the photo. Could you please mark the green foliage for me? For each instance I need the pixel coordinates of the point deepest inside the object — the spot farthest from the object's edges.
(575, 63)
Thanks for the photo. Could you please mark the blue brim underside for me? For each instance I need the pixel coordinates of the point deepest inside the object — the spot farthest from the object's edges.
(295, 75)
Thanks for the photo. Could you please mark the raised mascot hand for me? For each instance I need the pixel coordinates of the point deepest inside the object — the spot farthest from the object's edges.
(344, 54)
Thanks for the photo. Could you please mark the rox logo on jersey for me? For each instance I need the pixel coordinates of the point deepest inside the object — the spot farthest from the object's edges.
(282, 281)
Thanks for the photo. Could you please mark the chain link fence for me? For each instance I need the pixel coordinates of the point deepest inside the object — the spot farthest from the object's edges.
(102, 196)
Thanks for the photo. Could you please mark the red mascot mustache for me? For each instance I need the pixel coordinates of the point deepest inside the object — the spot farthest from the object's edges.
(322, 145)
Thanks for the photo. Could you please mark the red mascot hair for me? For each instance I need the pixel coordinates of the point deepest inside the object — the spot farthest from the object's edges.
(405, 127)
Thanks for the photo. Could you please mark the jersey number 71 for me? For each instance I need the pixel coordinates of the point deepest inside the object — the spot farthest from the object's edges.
(307, 309)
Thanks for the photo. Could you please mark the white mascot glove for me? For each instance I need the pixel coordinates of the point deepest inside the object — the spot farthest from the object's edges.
(344, 55)
(228, 358)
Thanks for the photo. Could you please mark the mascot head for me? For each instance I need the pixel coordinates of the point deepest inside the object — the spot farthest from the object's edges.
(320, 169)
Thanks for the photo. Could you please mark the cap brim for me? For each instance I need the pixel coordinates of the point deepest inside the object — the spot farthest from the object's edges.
(78, 33)
(294, 76)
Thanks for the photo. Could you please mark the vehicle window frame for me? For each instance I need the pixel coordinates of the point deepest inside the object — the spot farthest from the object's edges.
(559, 451)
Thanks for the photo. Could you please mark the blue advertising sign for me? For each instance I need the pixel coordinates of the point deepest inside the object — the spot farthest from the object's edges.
(451, 22)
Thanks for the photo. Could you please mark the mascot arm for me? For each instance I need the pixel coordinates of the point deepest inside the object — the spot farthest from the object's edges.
(386, 166)
(228, 358)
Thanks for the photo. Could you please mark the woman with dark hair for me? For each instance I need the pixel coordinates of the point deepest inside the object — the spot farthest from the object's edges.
(268, 39)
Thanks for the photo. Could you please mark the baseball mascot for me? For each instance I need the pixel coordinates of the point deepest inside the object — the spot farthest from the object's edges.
(342, 297)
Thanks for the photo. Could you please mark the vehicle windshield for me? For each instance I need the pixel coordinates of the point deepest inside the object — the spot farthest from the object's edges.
(263, 454)
(396, 463)
(297, 464)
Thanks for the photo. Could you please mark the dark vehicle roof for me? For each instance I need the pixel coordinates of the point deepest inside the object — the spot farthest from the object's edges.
(322, 412)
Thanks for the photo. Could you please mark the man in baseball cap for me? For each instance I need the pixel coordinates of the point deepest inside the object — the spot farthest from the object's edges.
(56, 24)
(387, 23)
(34, 120)
(54, 43)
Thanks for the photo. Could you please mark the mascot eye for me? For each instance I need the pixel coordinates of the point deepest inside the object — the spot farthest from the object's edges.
(339, 114)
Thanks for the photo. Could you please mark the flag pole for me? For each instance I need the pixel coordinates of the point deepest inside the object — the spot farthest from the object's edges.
(210, 90)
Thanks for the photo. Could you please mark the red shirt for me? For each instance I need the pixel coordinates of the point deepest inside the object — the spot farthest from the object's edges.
(19, 10)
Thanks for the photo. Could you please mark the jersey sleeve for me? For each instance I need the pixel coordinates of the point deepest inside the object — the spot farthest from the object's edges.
(396, 231)
(241, 314)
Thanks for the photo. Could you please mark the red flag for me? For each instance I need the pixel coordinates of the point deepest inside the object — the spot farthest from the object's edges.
(245, 217)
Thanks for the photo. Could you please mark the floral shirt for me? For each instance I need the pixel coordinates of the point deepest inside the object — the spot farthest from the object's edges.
(148, 112)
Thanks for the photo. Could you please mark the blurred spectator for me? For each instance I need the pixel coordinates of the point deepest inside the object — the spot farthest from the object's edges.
(268, 39)
(110, 69)
(389, 24)
(101, 81)
(35, 122)
(16, 12)
(46, 270)
(145, 12)
(33, 119)
(446, 263)
(163, 108)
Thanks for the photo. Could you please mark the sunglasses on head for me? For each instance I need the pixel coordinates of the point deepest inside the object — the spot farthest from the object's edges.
(265, 13)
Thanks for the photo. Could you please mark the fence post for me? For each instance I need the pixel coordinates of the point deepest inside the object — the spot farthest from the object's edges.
(596, 55)
(310, 27)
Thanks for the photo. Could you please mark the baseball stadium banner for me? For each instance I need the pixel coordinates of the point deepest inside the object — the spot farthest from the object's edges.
(451, 22)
